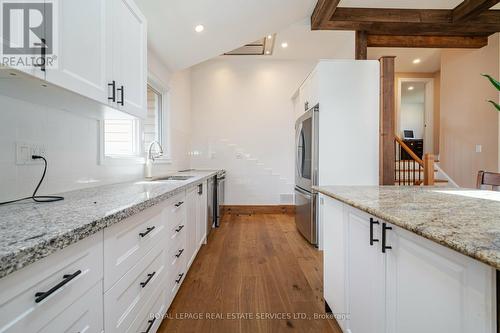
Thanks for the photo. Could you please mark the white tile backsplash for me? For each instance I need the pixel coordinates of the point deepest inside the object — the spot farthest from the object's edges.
(71, 142)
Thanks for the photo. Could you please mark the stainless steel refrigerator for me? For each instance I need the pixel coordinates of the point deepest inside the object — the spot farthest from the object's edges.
(306, 173)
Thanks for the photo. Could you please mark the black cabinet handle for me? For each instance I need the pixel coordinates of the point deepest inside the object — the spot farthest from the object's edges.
(179, 253)
(122, 94)
(180, 278)
(43, 53)
(150, 324)
(148, 230)
(384, 237)
(40, 296)
(113, 93)
(179, 204)
(200, 189)
(372, 222)
(179, 228)
(150, 276)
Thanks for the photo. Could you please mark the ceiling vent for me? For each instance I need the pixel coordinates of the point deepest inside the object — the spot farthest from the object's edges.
(263, 46)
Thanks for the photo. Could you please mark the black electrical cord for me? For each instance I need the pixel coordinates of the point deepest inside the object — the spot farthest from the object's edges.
(34, 197)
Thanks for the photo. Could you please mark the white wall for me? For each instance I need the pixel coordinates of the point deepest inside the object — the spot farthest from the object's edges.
(72, 144)
(243, 121)
(412, 117)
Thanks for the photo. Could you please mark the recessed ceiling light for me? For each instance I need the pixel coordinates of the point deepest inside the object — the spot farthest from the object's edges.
(284, 45)
(269, 36)
(268, 52)
(199, 28)
(411, 87)
(417, 61)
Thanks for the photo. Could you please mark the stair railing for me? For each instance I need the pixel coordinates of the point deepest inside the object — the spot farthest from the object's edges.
(409, 168)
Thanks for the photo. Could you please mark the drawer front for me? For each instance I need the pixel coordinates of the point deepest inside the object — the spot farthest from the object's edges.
(128, 241)
(133, 290)
(176, 231)
(175, 278)
(85, 315)
(176, 251)
(175, 209)
(151, 315)
(32, 297)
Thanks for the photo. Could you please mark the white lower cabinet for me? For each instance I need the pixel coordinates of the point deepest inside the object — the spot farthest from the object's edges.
(85, 315)
(122, 279)
(433, 289)
(133, 290)
(387, 279)
(365, 271)
(34, 296)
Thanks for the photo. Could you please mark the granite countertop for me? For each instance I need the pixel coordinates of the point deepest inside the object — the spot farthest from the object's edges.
(465, 220)
(31, 231)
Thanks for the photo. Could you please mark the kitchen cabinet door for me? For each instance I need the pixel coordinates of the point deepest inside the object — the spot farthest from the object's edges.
(433, 289)
(129, 57)
(191, 214)
(201, 215)
(334, 256)
(365, 276)
(83, 48)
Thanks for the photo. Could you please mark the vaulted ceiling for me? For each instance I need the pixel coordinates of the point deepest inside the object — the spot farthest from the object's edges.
(228, 25)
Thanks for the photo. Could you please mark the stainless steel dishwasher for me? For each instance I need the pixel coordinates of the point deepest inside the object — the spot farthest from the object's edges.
(219, 190)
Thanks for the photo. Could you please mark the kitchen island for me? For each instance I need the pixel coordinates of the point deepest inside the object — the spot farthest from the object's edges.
(411, 259)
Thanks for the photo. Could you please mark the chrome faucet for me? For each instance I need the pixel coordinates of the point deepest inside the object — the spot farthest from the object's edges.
(148, 168)
(152, 156)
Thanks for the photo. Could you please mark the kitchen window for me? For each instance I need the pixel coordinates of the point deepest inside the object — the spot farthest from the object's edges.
(128, 139)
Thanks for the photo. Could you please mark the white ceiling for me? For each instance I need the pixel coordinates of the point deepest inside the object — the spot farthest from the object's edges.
(430, 58)
(304, 44)
(228, 24)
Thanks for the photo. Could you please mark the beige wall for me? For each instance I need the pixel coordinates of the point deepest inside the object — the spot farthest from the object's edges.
(437, 82)
(467, 119)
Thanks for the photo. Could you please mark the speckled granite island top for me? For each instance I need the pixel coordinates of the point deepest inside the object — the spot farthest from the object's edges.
(31, 231)
(464, 220)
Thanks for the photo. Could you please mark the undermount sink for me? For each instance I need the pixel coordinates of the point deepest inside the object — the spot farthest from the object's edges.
(174, 178)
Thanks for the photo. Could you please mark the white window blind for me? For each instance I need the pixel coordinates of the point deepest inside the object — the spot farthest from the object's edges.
(120, 137)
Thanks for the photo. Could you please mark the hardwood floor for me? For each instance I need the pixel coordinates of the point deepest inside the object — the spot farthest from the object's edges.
(256, 274)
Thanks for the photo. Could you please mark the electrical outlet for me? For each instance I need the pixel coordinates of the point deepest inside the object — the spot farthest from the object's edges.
(24, 151)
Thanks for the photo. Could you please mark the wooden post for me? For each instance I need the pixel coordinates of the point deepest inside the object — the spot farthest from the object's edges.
(361, 45)
(387, 156)
(428, 169)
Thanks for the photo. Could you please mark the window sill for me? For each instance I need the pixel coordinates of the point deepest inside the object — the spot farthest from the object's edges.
(122, 160)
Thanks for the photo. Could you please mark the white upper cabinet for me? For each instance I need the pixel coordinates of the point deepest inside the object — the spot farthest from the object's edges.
(129, 54)
(82, 51)
(99, 52)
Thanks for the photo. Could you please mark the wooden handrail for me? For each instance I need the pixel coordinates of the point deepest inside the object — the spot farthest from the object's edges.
(409, 151)
(426, 165)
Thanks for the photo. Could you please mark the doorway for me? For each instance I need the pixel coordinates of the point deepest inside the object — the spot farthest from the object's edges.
(415, 110)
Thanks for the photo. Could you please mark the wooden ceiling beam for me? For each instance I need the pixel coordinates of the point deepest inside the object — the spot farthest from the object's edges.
(461, 42)
(323, 11)
(423, 22)
(471, 9)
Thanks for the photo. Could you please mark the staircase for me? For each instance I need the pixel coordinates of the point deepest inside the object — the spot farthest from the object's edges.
(415, 171)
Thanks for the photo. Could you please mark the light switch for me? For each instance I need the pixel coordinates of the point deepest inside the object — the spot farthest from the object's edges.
(479, 148)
